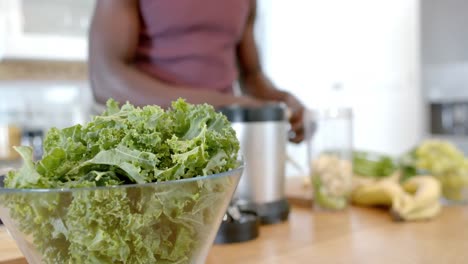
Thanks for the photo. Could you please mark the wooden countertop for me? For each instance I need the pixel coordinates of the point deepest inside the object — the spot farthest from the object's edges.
(358, 235)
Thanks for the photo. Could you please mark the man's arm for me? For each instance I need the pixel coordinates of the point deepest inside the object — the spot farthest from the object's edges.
(256, 84)
(113, 42)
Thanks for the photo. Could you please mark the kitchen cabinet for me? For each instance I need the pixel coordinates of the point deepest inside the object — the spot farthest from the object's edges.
(444, 69)
(44, 30)
(444, 56)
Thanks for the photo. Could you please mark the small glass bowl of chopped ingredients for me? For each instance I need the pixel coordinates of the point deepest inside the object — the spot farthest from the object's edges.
(454, 187)
(329, 145)
(447, 163)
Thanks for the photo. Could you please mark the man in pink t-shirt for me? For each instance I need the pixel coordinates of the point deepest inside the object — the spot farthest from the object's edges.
(155, 51)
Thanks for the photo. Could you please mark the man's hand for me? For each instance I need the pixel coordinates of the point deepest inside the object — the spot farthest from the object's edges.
(296, 118)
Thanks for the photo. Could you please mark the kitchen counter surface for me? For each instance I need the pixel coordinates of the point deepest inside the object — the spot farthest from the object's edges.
(357, 235)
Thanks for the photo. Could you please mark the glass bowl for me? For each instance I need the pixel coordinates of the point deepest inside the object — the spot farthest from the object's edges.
(167, 222)
(454, 188)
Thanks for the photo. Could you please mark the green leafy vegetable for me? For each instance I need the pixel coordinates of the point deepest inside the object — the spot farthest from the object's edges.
(407, 164)
(373, 165)
(159, 223)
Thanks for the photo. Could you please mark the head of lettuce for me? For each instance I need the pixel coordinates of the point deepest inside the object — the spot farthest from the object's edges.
(126, 146)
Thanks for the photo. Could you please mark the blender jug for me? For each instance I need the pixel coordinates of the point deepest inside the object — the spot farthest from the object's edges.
(329, 146)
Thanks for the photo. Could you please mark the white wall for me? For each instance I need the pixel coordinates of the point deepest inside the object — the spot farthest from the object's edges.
(369, 46)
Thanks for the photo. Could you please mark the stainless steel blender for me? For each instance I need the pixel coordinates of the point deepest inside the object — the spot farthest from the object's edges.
(263, 135)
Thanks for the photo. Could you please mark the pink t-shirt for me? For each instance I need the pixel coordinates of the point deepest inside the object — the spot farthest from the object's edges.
(192, 42)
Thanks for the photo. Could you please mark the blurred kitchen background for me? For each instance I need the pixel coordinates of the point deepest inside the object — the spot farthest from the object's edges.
(402, 66)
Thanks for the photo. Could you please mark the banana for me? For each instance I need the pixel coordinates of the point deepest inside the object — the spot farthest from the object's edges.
(378, 193)
(359, 181)
(425, 191)
(423, 214)
(416, 199)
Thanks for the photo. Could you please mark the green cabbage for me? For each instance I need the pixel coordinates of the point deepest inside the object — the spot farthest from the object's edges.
(153, 224)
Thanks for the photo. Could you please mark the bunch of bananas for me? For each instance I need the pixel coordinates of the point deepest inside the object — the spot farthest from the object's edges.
(380, 181)
(415, 199)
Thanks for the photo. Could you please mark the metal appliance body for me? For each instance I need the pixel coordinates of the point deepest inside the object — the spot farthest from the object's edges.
(263, 146)
(263, 134)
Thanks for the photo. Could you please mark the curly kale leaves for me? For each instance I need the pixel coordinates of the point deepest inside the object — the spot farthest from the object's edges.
(152, 224)
(132, 145)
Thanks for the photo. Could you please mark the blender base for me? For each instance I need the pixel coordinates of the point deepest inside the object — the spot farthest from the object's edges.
(270, 213)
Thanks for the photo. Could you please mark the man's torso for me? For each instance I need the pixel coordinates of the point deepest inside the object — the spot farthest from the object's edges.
(192, 42)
